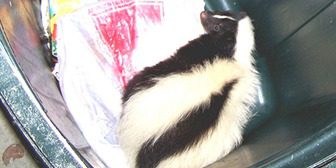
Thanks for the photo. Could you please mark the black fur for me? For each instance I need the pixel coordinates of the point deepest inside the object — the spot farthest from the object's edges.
(205, 48)
(186, 133)
(217, 43)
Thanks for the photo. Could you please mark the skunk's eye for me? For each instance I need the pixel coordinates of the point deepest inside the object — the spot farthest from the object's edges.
(216, 28)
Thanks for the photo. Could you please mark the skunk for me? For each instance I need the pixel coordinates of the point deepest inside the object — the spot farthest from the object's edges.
(189, 110)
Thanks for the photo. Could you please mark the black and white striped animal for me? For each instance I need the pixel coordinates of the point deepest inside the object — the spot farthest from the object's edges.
(189, 110)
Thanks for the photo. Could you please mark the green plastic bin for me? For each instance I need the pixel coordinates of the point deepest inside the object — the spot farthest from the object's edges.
(294, 123)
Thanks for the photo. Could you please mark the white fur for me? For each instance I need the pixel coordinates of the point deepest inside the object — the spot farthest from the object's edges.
(245, 43)
(223, 17)
(151, 112)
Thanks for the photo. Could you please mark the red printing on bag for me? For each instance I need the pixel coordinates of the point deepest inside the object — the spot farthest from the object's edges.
(116, 23)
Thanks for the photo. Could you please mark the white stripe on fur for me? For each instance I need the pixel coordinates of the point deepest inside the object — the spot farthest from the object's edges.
(245, 43)
(223, 17)
(152, 111)
(228, 132)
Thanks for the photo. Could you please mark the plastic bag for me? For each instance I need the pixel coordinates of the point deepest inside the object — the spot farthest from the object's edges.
(97, 55)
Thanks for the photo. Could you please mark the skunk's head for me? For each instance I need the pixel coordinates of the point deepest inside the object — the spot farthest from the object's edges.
(218, 23)
(234, 29)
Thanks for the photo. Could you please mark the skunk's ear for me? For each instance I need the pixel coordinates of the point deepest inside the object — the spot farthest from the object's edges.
(204, 14)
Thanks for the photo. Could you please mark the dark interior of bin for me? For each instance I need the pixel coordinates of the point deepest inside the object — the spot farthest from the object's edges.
(296, 39)
(295, 126)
